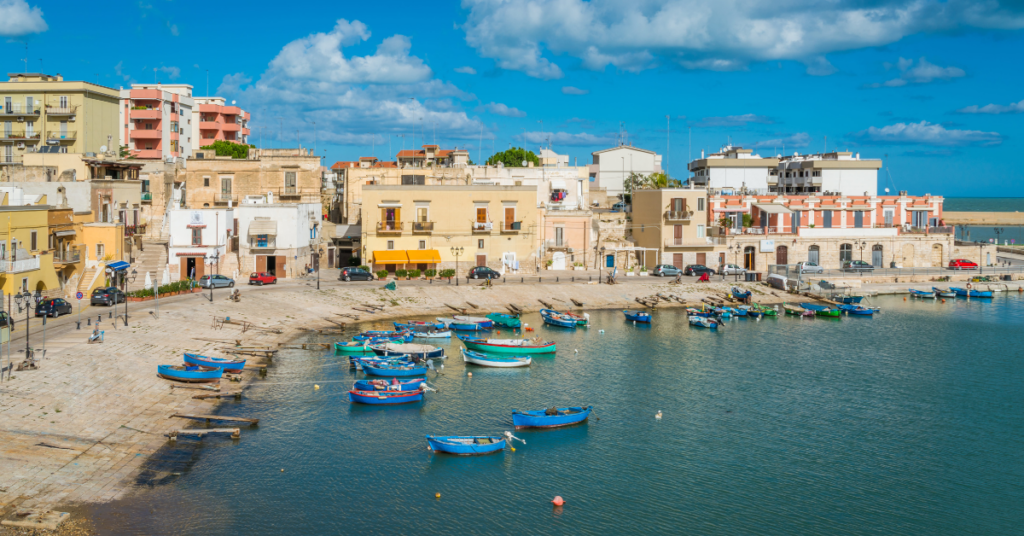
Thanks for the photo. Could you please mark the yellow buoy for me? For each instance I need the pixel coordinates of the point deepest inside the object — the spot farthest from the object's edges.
(437, 495)
(513, 449)
(470, 374)
(315, 387)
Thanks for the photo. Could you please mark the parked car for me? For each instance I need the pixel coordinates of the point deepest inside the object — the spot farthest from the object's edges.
(664, 270)
(262, 278)
(216, 281)
(619, 207)
(808, 267)
(483, 272)
(731, 269)
(697, 269)
(962, 264)
(352, 273)
(106, 296)
(53, 307)
(857, 266)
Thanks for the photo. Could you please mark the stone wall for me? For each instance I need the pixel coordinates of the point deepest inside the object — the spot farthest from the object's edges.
(907, 251)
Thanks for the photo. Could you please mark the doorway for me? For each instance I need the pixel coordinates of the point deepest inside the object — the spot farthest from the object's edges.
(702, 259)
(782, 255)
(749, 254)
(558, 261)
(877, 255)
(937, 255)
(814, 255)
(481, 260)
(271, 265)
(191, 268)
(677, 260)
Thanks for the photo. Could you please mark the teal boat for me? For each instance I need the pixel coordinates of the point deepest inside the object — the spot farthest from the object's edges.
(353, 348)
(509, 321)
(519, 347)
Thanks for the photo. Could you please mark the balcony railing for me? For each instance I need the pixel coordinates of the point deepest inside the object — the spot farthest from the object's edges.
(61, 110)
(147, 196)
(511, 226)
(67, 257)
(20, 265)
(68, 135)
(10, 159)
(694, 242)
(266, 244)
(422, 226)
(678, 215)
(289, 191)
(20, 109)
(389, 227)
(482, 226)
(224, 197)
(930, 230)
(17, 134)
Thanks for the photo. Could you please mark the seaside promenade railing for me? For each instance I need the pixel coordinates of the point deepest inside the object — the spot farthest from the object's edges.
(790, 270)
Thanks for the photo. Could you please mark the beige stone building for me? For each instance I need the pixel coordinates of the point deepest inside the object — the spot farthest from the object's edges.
(281, 175)
(418, 227)
(671, 225)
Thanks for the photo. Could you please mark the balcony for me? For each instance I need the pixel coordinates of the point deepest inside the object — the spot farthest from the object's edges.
(694, 242)
(263, 244)
(230, 110)
(389, 227)
(8, 159)
(678, 215)
(69, 135)
(231, 127)
(18, 134)
(67, 257)
(148, 154)
(210, 125)
(482, 226)
(289, 191)
(422, 227)
(145, 113)
(20, 109)
(61, 110)
(948, 229)
(147, 197)
(224, 198)
(511, 227)
(143, 134)
(19, 266)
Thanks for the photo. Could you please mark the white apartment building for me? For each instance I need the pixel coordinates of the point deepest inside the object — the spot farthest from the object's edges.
(156, 121)
(611, 167)
(197, 241)
(279, 238)
(733, 168)
(835, 173)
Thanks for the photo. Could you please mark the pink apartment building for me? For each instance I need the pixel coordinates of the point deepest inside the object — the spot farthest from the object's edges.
(213, 120)
(156, 121)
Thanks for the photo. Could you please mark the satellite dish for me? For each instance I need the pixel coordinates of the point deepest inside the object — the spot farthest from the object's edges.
(524, 163)
(103, 148)
(886, 190)
(232, 102)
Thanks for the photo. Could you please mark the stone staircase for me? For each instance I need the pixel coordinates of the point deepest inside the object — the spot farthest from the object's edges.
(152, 259)
(85, 281)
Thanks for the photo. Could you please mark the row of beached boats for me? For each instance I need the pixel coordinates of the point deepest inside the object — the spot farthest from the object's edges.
(951, 292)
(200, 369)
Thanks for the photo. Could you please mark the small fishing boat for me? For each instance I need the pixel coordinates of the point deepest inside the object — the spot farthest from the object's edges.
(554, 318)
(736, 311)
(353, 348)
(233, 366)
(189, 373)
(766, 311)
(551, 417)
(853, 309)
(793, 310)
(581, 320)
(502, 319)
(971, 293)
(376, 336)
(740, 294)
(417, 352)
(723, 313)
(848, 299)
(484, 322)
(358, 361)
(435, 334)
(944, 292)
(704, 322)
(923, 294)
(485, 360)
(698, 312)
(821, 310)
(417, 325)
(384, 385)
(392, 370)
(751, 311)
(637, 316)
(466, 445)
(385, 397)
(508, 346)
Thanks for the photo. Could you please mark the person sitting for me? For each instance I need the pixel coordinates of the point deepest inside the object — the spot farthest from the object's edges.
(611, 276)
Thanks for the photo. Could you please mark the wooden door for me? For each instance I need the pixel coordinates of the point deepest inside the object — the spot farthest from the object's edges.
(677, 260)
(721, 259)
(481, 215)
(481, 260)
(282, 268)
(702, 258)
(510, 217)
(261, 263)
(782, 255)
(200, 265)
(183, 272)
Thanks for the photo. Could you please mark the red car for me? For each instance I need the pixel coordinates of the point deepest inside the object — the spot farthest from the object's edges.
(962, 264)
(262, 278)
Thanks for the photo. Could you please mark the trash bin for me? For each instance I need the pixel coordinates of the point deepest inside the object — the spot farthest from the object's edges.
(750, 276)
(758, 274)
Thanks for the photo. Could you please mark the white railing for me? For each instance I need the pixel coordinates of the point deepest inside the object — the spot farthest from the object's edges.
(694, 242)
(18, 266)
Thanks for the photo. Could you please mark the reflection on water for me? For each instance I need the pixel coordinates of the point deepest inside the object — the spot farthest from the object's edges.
(907, 423)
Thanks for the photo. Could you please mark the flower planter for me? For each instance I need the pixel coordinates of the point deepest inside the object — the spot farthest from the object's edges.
(630, 274)
(643, 273)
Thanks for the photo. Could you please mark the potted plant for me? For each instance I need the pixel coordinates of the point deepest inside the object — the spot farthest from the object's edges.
(643, 270)
(414, 274)
(382, 275)
(430, 273)
(448, 274)
(401, 273)
(629, 271)
(549, 263)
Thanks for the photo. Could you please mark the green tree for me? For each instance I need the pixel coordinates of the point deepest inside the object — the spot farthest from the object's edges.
(513, 157)
(226, 148)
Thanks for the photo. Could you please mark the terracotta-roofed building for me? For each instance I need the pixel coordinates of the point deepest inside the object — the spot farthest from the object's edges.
(431, 155)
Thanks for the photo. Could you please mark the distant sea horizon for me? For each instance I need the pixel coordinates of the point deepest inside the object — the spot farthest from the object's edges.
(987, 204)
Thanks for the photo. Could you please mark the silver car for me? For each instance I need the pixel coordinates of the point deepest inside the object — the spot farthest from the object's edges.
(808, 267)
(731, 269)
(216, 281)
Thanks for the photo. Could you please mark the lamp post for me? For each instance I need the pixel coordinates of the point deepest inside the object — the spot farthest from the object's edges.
(601, 264)
(26, 299)
(316, 265)
(124, 283)
(862, 244)
(998, 231)
(457, 252)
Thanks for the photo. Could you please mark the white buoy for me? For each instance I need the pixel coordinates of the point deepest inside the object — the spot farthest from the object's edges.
(658, 415)
(576, 351)
(600, 331)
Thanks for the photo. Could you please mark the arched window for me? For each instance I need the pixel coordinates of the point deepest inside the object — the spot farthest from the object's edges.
(845, 253)
(814, 255)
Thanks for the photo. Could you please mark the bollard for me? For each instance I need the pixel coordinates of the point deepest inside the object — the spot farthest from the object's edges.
(522, 279)
(556, 279)
(98, 318)
(79, 324)
(88, 321)
(110, 314)
(573, 279)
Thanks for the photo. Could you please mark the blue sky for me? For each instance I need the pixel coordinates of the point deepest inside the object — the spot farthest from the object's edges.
(934, 85)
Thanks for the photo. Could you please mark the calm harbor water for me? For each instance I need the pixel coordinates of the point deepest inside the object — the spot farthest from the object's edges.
(987, 204)
(905, 423)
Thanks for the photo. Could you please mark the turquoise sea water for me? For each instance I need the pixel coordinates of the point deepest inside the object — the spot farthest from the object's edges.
(987, 204)
(905, 423)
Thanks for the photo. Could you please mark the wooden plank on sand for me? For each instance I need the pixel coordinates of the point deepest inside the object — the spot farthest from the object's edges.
(200, 432)
(209, 418)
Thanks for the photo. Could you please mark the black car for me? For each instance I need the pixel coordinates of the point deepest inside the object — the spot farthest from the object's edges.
(53, 307)
(355, 274)
(106, 296)
(697, 269)
(483, 272)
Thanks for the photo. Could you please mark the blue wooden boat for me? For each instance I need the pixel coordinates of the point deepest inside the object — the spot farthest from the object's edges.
(436, 334)
(377, 336)
(485, 323)
(466, 445)
(735, 311)
(750, 311)
(189, 373)
(509, 321)
(393, 370)
(704, 322)
(852, 309)
(554, 318)
(923, 294)
(467, 326)
(417, 352)
(723, 313)
(740, 294)
(386, 385)
(551, 418)
(971, 293)
(497, 361)
(414, 326)
(821, 310)
(385, 397)
(944, 293)
(698, 312)
(637, 316)
(849, 299)
(508, 346)
(233, 366)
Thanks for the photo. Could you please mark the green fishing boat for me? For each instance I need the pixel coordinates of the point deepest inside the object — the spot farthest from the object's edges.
(822, 310)
(509, 321)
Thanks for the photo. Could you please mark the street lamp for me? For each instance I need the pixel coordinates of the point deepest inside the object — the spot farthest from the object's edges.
(998, 231)
(316, 265)
(26, 299)
(125, 281)
(601, 264)
(863, 244)
(457, 252)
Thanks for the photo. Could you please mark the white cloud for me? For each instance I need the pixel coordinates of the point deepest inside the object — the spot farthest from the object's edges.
(925, 133)
(172, 72)
(922, 73)
(119, 70)
(351, 98)
(734, 120)
(569, 90)
(800, 139)
(465, 70)
(566, 138)
(1012, 108)
(17, 18)
(498, 108)
(695, 34)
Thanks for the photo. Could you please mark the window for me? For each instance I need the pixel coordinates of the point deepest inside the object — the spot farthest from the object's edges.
(391, 244)
(64, 102)
(206, 181)
(700, 231)
(480, 244)
(289, 180)
(700, 203)
(417, 180)
(559, 236)
(423, 244)
(678, 204)
(422, 214)
(261, 240)
(845, 253)
(33, 240)
(197, 237)
(225, 187)
(99, 252)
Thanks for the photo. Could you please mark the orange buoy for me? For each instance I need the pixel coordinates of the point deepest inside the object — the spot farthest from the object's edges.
(943, 300)
(437, 495)
(904, 298)
(558, 501)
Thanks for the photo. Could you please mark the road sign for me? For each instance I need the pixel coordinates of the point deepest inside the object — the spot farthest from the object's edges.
(79, 295)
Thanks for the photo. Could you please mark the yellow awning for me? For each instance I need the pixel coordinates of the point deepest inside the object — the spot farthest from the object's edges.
(423, 256)
(390, 256)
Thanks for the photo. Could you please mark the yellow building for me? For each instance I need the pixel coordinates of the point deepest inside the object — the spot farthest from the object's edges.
(25, 261)
(671, 224)
(418, 227)
(39, 110)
